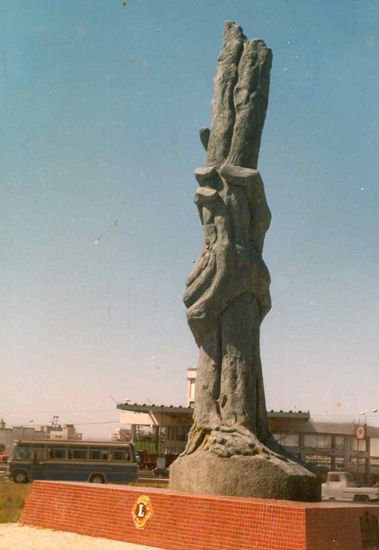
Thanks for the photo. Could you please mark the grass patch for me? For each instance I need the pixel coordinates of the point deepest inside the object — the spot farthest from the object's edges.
(12, 500)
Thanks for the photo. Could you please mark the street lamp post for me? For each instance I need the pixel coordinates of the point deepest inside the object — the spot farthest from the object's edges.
(365, 414)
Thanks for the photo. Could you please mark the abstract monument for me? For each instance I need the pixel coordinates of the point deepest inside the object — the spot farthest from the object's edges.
(230, 450)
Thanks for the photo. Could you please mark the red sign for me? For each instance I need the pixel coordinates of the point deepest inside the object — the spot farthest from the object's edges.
(360, 431)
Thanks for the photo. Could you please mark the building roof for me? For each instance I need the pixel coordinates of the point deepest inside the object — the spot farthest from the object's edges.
(179, 409)
(305, 424)
(303, 415)
(173, 409)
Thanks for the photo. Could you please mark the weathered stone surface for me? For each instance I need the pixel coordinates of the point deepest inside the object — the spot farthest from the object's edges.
(238, 175)
(224, 82)
(230, 449)
(260, 476)
(204, 195)
(204, 136)
(205, 174)
(250, 101)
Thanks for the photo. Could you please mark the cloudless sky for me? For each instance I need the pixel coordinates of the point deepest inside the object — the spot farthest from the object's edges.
(101, 104)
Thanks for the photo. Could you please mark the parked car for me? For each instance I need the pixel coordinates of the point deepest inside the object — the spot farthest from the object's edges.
(341, 486)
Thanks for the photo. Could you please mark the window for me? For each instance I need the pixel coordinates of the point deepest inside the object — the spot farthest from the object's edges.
(98, 454)
(339, 441)
(287, 439)
(358, 445)
(339, 463)
(56, 452)
(318, 441)
(182, 433)
(192, 389)
(21, 453)
(77, 454)
(95, 454)
(334, 478)
(121, 454)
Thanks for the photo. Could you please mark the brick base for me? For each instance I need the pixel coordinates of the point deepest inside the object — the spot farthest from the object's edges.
(183, 521)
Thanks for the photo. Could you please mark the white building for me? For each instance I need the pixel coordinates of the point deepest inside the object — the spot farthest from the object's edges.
(49, 431)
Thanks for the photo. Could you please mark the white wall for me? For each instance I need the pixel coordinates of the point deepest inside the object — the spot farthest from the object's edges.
(374, 450)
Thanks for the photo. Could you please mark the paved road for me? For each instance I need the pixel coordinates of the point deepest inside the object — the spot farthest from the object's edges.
(17, 537)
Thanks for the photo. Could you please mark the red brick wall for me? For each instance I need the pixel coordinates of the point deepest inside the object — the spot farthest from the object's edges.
(194, 522)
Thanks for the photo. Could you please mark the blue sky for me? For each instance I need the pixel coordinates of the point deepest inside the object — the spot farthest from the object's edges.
(101, 104)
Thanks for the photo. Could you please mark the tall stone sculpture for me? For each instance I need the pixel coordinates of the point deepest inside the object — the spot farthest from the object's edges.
(230, 449)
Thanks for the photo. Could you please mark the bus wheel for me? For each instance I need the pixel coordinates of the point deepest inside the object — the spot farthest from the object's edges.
(97, 478)
(20, 476)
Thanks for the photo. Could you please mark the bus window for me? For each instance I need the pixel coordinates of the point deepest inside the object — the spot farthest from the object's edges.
(121, 454)
(95, 454)
(56, 452)
(77, 454)
(21, 453)
(98, 454)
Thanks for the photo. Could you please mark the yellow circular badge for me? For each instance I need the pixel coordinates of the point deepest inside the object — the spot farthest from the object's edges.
(142, 511)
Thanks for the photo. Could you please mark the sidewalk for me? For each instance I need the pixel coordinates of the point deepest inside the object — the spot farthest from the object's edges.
(17, 537)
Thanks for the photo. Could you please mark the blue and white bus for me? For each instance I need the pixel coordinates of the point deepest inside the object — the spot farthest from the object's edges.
(64, 460)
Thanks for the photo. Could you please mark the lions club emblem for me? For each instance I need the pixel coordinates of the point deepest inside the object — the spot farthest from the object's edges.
(142, 511)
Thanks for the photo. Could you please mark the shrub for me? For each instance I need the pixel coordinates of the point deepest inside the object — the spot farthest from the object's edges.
(12, 500)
